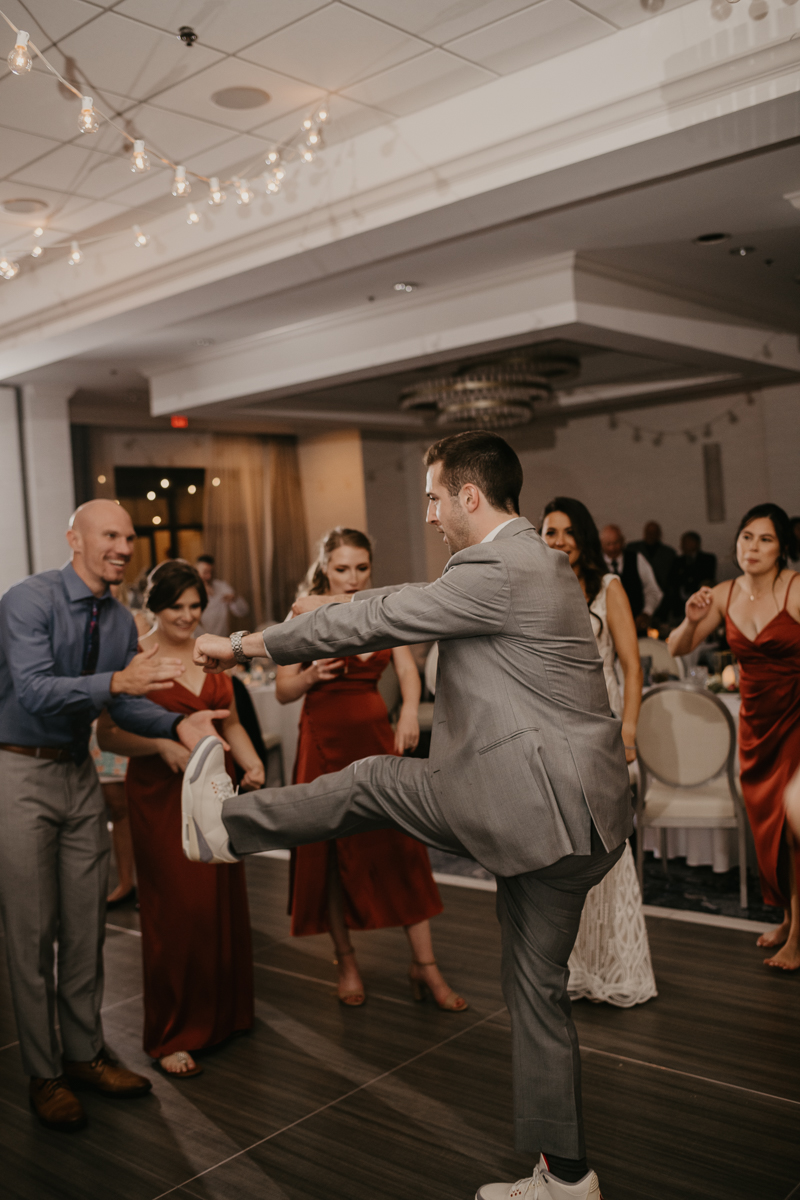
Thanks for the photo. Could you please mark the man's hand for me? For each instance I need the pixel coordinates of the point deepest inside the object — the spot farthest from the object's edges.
(198, 725)
(174, 754)
(214, 654)
(305, 604)
(146, 673)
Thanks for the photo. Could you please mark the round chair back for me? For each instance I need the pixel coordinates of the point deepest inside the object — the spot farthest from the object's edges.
(684, 737)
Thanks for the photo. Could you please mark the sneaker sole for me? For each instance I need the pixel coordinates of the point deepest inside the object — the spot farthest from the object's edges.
(194, 767)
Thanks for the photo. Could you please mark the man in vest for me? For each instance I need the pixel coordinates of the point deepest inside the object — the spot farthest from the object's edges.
(635, 572)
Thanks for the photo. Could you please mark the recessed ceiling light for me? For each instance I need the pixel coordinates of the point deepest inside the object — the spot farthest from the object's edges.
(241, 97)
(711, 239)
(742, 251)
(406, 287)
(23, 206)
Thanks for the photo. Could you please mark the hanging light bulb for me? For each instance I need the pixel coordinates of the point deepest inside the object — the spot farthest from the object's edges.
(180, 184)
(139, 238)
(139, 160)
(216, 196)
(75, 255)
(321, 115)
(37, 252)
(273, 185)
(38, 231)
(273, 158)
(306, 153)
(192, 215)
(87, 121)
(314, 138)
(8, 268)
(20, 59)
(244, 193)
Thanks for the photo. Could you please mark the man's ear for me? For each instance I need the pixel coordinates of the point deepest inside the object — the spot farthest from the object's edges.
(470, 497)
(73, 540)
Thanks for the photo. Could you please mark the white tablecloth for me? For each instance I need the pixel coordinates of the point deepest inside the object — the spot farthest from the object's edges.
(717, 848)
(278, 718)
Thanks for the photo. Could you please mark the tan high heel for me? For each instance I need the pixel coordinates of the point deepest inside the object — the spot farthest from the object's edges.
(350, 999)
(420, 989)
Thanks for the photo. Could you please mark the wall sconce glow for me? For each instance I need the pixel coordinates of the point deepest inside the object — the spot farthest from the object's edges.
(87, 121)
(139, 160)
(192, 215)
(37, 252)
(101, 478)
(75, 255)
(216, 481)
(139, 238)
(165, 483)
(8, 268)
(20, 59)
(216, 196)
(156, 520)
(244, 193)
(151, 495)
(191, 489)
(180, 184)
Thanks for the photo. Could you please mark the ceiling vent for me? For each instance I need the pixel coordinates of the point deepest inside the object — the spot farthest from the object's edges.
(493, 395)
(241, 97)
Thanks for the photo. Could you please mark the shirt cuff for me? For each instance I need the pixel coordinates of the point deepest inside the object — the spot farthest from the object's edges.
(99, 687)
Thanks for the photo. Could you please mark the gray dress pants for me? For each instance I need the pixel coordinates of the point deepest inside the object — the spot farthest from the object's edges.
(539, 914)
(54, 854)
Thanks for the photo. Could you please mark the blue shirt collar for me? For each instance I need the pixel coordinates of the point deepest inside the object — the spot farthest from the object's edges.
(76, 588)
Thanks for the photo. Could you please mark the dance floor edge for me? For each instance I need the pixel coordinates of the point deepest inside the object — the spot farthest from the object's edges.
(693, 1095)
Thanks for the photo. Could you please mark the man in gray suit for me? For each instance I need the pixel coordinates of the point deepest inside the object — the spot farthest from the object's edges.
(526, 773)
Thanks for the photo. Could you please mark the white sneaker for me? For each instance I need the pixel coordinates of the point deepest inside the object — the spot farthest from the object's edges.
(542, 1186)
(206, 787)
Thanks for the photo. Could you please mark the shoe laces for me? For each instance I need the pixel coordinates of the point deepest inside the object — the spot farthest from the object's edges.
(531, 1188)
(223, 787)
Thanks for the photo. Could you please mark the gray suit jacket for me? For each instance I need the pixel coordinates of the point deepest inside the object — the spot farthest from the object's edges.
(524, 752)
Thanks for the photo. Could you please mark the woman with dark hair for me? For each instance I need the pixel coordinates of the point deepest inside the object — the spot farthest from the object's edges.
(369, 880)
(761, 611)
(197, 957)
(611, 958)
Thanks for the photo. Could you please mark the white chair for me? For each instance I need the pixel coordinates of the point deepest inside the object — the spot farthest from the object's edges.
(660, 657)
(686, 745)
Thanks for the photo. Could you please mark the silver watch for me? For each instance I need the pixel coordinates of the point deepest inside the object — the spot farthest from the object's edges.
(236, 647)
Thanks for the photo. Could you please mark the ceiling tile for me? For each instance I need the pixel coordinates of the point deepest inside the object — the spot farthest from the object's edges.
(54, 19)
(17, 148)
(225, 25)
(65, 168)
(347, 119)
(424, 80)
(628, 12)
(441, 20)
(145, 189)
(235, 153)
(78, 215)
(544, 31)
(9, 190)
(194, 96)
(174, 135)
(132, 59)
(35, 105)
(335, 47)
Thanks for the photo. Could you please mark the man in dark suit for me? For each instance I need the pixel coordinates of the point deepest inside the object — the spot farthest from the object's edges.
(660, 556)
(693, 569)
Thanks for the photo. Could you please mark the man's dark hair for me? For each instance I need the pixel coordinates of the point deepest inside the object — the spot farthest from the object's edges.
(207, 558)
(169, 581)
(484, 459)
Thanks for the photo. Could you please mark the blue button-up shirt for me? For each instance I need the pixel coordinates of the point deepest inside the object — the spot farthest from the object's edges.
(44, 699)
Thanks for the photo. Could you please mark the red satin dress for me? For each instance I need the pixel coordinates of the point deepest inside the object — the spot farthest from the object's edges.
(196, 951)
(769, 739)
(386, 875)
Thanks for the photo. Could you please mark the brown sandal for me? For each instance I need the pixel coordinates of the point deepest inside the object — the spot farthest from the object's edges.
(420, 989)
(350, 999)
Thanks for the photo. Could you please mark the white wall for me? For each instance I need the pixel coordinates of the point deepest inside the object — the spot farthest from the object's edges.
(332, 478)
(48, 466)
(14, 563)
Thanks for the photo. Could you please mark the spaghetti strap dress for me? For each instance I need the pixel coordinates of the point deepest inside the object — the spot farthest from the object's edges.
(769, 739)
(196, 950)
(386, 875)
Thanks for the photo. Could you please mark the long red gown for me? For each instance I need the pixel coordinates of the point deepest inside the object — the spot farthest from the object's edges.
(196, 950)
(769, 739)
(386, 875)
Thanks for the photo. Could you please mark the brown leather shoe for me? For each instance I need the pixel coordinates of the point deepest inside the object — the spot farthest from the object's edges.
(105, 1076)
(56, 1106)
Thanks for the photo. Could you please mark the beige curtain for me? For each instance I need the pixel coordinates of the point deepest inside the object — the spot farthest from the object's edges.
(235, 519)
(288, 526)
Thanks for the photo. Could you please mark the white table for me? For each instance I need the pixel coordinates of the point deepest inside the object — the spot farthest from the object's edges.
(282, 719)
(716, 848)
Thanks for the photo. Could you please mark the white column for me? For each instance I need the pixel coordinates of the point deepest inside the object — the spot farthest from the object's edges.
(48, 469)
(14, 563)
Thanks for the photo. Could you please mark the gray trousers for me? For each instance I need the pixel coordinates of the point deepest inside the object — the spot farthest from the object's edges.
(54, 854)
(539, 914)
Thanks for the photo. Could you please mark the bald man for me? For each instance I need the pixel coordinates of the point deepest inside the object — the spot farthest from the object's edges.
(68, 650)
(635, 572)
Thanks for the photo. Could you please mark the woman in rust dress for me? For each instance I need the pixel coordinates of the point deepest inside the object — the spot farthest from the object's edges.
(197, 957)
(370, 880)
(761, 610)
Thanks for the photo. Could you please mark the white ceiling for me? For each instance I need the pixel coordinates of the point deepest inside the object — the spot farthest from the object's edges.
(375, 60)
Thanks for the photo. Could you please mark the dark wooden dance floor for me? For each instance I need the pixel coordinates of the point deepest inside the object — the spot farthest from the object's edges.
(695, 1096)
